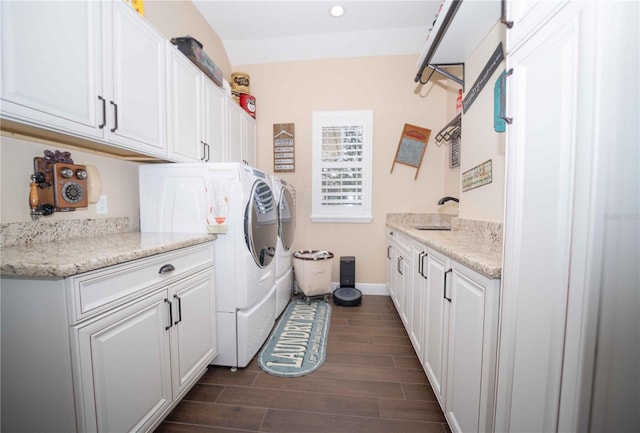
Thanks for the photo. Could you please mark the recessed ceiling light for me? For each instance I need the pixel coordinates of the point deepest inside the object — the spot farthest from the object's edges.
(336, 11)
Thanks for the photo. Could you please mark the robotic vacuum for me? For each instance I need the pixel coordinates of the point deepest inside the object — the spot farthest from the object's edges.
(347, 296)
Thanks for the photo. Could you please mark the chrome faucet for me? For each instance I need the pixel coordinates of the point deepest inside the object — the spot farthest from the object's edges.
(443, 200)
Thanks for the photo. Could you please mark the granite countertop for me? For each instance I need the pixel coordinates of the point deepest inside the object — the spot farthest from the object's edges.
(64, 258)
(477, 245)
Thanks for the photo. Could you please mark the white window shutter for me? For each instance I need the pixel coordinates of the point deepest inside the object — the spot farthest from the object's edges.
(342, 155)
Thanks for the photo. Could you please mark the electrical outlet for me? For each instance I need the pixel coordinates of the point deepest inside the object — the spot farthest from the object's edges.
(102, 206)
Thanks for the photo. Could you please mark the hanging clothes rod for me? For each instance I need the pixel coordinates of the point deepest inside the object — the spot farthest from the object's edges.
(448, 18)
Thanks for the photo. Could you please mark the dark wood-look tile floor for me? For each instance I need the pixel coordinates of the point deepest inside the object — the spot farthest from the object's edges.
(371, 382)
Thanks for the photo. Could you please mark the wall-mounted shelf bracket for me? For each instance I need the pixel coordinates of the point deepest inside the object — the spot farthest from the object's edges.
(449, 75)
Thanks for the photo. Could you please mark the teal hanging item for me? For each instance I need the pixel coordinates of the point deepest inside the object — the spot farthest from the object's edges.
(499, 123)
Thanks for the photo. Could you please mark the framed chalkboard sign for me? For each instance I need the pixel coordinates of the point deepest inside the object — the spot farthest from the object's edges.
(412, 145)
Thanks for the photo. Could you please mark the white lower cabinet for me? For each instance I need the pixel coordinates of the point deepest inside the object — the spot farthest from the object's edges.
(124, 362)
(471, 345)
(193, 337)
(400, 267)
(451, 316)
(435, 356)
(139, 335)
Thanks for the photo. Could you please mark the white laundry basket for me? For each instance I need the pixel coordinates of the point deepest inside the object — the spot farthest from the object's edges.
(313, 272)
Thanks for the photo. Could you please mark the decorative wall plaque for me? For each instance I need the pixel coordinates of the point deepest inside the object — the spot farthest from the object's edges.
(284, 159)
(478, 176)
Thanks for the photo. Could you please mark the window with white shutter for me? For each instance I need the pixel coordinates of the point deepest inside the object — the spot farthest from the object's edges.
(342, 155)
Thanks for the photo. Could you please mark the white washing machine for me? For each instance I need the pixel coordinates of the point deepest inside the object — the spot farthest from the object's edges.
(285, 197)
(235, 201)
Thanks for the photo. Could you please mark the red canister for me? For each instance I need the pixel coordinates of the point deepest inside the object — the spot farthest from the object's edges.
(248, 102)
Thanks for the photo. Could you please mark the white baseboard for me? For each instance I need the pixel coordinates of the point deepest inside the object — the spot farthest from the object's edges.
(368, 288)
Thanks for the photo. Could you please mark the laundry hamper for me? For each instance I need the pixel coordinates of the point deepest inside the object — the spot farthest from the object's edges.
(313, 273)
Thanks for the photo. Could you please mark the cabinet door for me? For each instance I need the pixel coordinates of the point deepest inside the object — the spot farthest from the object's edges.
(51, 69)
(527, 16)
(465, 353)
(249, 139)
(436, 327)
(137, 106)
(184, 114)
(234, 132)
(405, 288)
(418, 303)
(124, 367)
(214, 122)
(390, 268)
(194, 330)
(542, 143)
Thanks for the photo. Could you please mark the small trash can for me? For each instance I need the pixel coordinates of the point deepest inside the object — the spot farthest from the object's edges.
(313, 272)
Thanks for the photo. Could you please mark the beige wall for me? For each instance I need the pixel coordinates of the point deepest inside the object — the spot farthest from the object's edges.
(479, 140)
(175, 18)
(290, 92)
(119, 179)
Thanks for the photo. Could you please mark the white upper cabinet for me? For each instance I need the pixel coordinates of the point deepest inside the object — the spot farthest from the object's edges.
(51, 68)
(527, 17)
(249, 139)
(234, 132)
(196, 112)
(88, 69)
(135, 71)
(213, 122)
(183, 107)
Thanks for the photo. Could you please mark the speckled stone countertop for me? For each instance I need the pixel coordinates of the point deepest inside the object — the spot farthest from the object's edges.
(476, 244)
(64, 258)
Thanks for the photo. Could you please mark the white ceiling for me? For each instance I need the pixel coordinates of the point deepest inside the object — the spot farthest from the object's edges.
(274, 31)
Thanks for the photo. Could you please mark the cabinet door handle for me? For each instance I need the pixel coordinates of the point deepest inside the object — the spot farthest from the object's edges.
(204, 151)
(389, 252)
(503, 96)
(398, 265)
(167, 268)
(104, 112)
(115, 114)
(420, 263)
(445, 285)
(424, 275)
(208, 152)
(503, 15)
(170, 314)
(179, 309)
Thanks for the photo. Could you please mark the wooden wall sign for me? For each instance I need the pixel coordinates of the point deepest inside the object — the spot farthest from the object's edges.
(284, 159)
(478, 176)
(412, 145)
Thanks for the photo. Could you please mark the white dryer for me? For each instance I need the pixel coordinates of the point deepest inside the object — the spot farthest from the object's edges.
(187, 198)
(285, 197)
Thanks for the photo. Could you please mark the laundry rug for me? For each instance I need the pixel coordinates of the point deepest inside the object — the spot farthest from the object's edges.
(297, 345)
